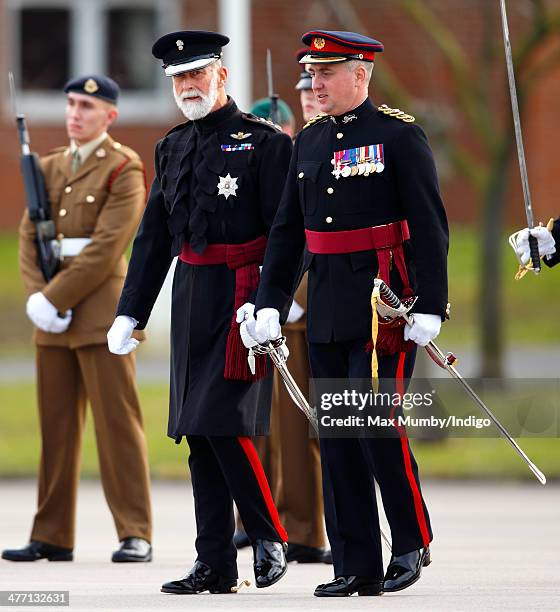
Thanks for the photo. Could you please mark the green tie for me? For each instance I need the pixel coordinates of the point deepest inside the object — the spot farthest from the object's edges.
(76, 161)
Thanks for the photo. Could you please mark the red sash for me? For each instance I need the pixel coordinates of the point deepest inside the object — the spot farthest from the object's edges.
(245, 260)
(386, 241)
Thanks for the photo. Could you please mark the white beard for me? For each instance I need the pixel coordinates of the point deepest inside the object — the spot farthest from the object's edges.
(199, 109)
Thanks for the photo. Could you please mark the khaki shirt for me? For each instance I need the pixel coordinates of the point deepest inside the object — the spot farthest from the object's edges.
(103, 200)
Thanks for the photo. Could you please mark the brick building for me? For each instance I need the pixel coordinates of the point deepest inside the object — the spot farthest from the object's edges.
(46, 41)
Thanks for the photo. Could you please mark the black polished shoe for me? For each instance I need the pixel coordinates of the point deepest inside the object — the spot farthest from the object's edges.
(269, 562)
(133, 550)
(405, 570)
(307, 554)
(343, 586)
(201, 578)
(241, 540)
(38, 550)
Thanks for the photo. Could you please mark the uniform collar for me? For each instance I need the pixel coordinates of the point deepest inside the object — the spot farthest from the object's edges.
(88, 148)
(211, 122)
(364, 109)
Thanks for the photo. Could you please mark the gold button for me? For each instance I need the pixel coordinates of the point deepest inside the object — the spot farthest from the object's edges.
(68, 189)
(328, 219)
(90, 199)
(340, 135)
(62, 212)
(301, 175)
(330, 190)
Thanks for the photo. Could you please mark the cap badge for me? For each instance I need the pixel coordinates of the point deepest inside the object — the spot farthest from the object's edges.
(180, 44)
(241, 135)
(227, 186)
(90, 86)
(319, 43)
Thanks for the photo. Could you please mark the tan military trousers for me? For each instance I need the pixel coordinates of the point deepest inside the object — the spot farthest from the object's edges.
(65, 380)
(290, 457)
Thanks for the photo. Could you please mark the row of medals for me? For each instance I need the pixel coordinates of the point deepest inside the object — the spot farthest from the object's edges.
(364, 168)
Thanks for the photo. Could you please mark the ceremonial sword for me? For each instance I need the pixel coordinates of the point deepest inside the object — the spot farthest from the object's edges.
(278, 352)
(446, 362)
(533, 244)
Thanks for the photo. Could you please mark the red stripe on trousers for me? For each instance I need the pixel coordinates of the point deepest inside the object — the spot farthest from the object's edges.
(258, 470)
(418, 506)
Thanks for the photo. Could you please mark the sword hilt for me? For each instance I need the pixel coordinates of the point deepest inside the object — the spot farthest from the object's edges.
(387, 294)
(535, 256)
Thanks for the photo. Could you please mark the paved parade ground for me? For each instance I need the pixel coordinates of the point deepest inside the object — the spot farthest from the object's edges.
(496, 548)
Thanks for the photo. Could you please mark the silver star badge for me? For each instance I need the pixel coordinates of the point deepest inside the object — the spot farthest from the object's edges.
(227, 186)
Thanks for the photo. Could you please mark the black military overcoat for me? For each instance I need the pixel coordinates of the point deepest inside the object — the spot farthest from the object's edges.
(185, 205)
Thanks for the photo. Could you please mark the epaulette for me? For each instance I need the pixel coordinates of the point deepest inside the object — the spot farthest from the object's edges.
(317, 119)
(126, 151)
(397, 113)
(261, 121)
(56, 150)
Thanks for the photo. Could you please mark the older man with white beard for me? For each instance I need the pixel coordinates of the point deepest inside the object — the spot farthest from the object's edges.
(219, 178)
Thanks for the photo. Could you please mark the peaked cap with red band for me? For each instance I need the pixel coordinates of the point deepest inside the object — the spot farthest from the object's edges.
(327, 46)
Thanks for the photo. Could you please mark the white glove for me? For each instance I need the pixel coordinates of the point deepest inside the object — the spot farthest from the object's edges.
(248, 333)
(245, 312)
(425, 327)
(245, 316)
(520, 243)
(119, 337)
(45, 316)
(296, 312)
(268, 325)
(60, 324)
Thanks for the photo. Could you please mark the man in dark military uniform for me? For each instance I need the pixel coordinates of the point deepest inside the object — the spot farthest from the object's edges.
(362, 195)
(219, 178)
(97, 193)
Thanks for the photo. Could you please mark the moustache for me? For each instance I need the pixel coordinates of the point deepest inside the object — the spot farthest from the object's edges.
(191, 94)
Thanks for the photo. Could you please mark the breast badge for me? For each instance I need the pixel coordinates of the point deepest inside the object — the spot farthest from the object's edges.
(227, 186)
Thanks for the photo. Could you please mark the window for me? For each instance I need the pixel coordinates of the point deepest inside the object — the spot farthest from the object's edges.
(128, 31)
(53, 40)
(43, 29)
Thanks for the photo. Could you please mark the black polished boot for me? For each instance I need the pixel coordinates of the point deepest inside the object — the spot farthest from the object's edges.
(241, 540)
(201, 578)
(405, 570)
(307, 554)
(343, 586)
(38, 550)
(133, 550)
(269, 562)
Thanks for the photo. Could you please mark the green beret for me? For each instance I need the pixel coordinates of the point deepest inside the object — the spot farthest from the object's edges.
(261, 108)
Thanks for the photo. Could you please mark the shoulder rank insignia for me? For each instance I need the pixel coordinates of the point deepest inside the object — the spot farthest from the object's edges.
(317, 119)
(241, 135)
(260, 121)
(397, 113)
